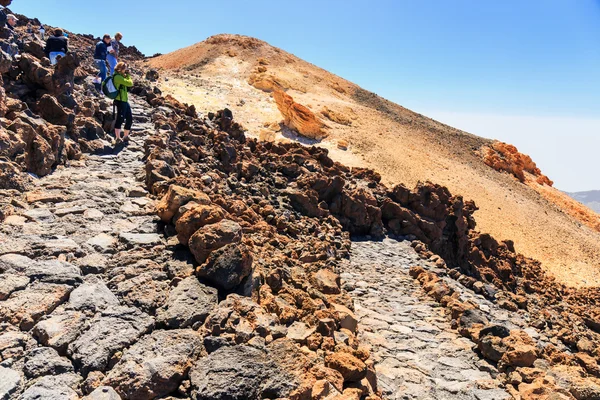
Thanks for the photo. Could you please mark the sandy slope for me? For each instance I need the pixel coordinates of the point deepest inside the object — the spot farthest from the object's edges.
(404, 147)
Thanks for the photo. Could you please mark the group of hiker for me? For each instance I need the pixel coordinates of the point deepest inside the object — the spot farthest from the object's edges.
(115, 82)
(113, 77)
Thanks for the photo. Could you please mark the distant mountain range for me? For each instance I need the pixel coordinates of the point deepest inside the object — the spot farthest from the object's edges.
(590, 199)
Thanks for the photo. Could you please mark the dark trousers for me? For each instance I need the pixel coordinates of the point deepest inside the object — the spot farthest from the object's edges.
(123, 115)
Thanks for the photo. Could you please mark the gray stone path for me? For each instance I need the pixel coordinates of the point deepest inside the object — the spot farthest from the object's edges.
(416, 353)
(78, 281)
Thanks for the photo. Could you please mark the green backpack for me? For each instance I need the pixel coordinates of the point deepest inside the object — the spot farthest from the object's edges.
(109, 89)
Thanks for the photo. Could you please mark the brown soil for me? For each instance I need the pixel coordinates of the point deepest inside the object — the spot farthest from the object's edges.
(403, 146)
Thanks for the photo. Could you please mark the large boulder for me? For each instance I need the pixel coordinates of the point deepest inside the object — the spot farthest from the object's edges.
(109, 331)
(227, 267)
(239, 372)
(60, 329)
(188, 304)
(213, 237)
(53, 112)
(53, 387)
(176, 197)
(155, 366)
(351, 368)
(44, 361)
(196, 218)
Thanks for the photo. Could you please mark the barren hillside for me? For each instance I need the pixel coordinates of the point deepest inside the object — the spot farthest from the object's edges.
(403, 146)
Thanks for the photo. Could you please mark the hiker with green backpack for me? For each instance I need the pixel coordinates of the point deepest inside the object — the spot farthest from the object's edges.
(116, 87)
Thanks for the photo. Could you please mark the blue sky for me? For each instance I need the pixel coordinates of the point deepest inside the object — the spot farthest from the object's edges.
(460, 61)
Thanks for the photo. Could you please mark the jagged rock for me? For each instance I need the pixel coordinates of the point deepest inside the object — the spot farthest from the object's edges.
(92, 297)
(326, 281)
(299, 332)
(244, 318)
(238, 372)
(109, 331)
(10, 283)
(11, 177)
(14, 344)
(213, 237)
(155, 365)
(152, 75)
(346, 317)
(60, 329)
(10, 381)
(38, 155)
(49, 271)
(176, 197)
(24, 308)
(146, 291)
(351, 368)
(34, 47)
(298, 117)
(188, 304)
(53, 387)
(103, 242)
(585, 390)
(93, 381)
(196, 218)
(227, 266)
(505, 157)
(53, 112)
(44, 361)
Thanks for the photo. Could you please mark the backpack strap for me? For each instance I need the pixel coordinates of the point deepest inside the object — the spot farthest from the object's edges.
(120, 96)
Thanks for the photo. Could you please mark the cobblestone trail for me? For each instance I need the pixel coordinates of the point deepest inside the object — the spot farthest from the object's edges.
(416, 353)
(77, 275)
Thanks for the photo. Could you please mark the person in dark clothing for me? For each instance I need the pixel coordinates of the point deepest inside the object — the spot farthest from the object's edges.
(100, 56)
(11, 21)
(123, 82)
(12, 46)
(57, 46)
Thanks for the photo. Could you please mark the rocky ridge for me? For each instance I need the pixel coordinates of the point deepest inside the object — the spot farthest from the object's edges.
(307, 205)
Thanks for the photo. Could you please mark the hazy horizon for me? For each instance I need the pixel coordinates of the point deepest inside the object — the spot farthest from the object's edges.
(521, 72)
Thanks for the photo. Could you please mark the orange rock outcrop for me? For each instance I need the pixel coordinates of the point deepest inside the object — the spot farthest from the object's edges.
(505, 157)
(298, 117)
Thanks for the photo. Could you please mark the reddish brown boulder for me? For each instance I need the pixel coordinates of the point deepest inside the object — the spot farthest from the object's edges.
(196, 218)
(326, 281)
(351, 368)
(176, 197)
(213, 237)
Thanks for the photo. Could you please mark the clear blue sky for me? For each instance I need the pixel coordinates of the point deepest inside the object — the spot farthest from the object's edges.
(510, 58)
